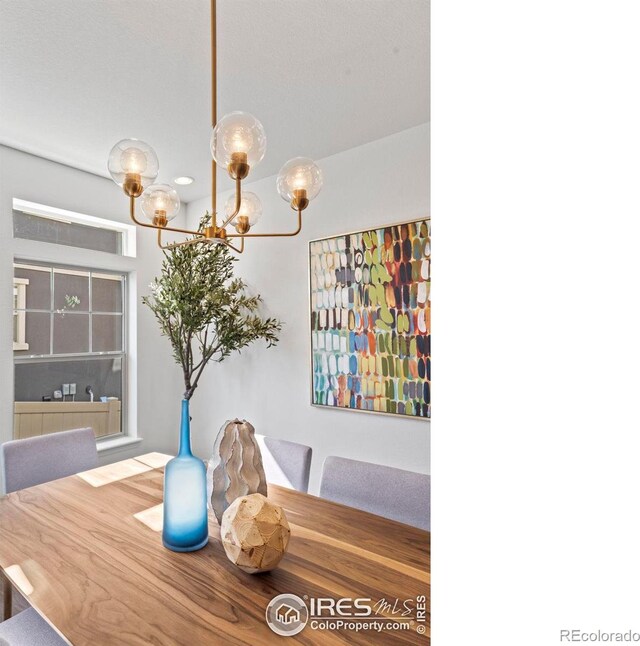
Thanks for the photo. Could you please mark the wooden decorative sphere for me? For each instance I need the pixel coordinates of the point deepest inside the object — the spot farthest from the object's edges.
(255, 533)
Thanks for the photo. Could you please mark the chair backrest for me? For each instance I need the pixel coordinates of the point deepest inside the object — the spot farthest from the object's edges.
(28, 627)
(401, 495)
(35, 460)
(285, 463)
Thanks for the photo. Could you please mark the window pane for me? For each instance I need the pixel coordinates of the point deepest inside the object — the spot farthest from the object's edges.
(106, 293)
(70, 291)
(35, 380)
(37, 333)
(38, 379)
(107, 332)
(38, 291)
(33, 227)
(70, 333)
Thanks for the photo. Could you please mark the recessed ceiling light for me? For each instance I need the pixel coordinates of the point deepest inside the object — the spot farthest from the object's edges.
(183, 181)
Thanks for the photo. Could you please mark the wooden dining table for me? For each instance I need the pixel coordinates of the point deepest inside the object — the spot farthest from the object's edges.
(86, 553)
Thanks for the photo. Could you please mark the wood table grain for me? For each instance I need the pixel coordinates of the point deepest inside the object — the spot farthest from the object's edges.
(86, 553)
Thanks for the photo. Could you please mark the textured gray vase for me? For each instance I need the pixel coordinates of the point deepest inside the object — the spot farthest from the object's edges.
(235, 468)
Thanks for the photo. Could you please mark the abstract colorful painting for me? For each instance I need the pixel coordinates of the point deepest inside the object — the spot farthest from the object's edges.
(370, 320)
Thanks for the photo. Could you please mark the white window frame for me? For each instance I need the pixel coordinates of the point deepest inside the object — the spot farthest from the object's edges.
(19, 314)
(35, 251)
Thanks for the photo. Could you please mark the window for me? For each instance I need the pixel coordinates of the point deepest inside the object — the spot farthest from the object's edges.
(69, 349)
(41, 223)
(34, 227)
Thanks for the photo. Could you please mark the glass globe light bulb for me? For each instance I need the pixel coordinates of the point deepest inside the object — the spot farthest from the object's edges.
(133, 159)
(250, 209)
(238, 137)
(239, 140)
(299, 174)
(160, 203)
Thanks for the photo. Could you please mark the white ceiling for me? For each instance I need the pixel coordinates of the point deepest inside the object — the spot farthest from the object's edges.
(322, 76)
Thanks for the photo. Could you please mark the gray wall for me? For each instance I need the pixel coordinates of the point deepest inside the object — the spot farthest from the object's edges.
(382, 182)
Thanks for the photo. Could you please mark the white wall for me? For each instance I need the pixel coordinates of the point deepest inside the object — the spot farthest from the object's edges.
(379, 183)
(159, 388)
(382, 182)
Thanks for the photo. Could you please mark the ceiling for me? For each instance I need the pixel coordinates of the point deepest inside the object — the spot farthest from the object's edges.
(322, 76)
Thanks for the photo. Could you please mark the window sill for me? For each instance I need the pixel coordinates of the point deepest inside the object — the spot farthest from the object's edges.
(117, 443)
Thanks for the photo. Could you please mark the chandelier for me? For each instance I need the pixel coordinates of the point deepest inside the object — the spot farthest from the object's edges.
(239, 143)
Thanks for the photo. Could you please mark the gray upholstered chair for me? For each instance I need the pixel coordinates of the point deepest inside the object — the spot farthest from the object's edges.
(40, 459)
(27, 463)
(401, 495)
(285, 463)
(28, 628)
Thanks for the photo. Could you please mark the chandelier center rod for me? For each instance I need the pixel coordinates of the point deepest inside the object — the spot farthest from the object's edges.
(214, 107)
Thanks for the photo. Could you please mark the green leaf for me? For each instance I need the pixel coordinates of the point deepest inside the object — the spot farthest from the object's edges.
(204, 311)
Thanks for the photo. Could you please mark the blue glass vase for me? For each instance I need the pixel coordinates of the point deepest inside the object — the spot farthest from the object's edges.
(184, 524)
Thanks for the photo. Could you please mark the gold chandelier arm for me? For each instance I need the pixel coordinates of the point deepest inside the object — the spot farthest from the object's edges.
(236, 249)
(184, 243)
(173, 245)
(132, 214)
(271, 235)
(238, 203)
